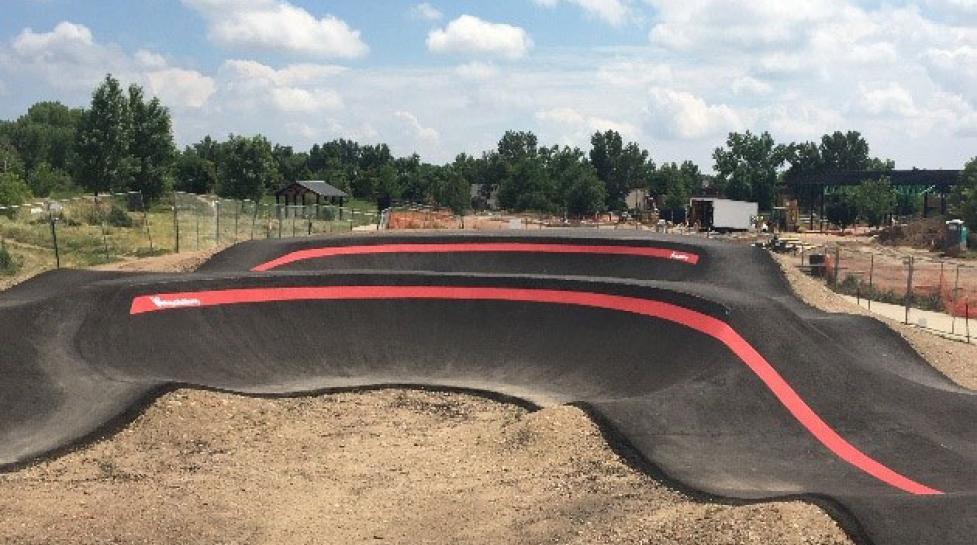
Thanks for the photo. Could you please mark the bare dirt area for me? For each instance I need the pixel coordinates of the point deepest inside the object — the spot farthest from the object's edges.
(387, 466)
(181, 262)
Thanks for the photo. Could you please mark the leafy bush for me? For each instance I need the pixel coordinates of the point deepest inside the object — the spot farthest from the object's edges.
(119, 218)
(7, 264)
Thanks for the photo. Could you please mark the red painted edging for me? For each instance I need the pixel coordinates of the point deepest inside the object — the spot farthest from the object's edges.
(698, 321)
(471, 247)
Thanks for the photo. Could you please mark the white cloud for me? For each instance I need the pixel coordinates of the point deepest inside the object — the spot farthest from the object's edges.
(417, 130)
(182, 87)
(65, 38)
(683, 115)
(614, 12)
(426, 12)
(293, 99)
(888, 100)
(572, 127)
(69, 59)
(276, 25)
(746, 85)
(300, 88)
(477, 70)
(954, 69)
(470, 35)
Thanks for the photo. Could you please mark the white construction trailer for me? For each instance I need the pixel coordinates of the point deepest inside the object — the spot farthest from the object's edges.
(715, 214)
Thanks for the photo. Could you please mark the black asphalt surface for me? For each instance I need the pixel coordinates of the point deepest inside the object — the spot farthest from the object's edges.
(544, 327)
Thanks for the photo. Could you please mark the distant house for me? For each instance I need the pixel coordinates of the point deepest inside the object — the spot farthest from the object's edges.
(323, 192)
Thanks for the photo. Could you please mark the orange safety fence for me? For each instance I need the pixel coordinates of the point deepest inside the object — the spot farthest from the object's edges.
(948, 287)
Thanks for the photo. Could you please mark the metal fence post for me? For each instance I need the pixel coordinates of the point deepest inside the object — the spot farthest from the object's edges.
(237, 216)
(145, 219)
(197, 223)
(909, 288)
(217, 229)
(176, 224)
(953, 301)
(278, 212)
(54, 239)
(966, 318)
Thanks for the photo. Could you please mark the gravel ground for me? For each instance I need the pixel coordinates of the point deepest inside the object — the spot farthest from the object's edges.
(386, 466)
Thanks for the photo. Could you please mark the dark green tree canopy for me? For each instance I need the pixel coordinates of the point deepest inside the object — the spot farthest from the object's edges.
(747, 167)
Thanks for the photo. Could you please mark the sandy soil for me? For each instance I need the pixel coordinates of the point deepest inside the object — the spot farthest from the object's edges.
(385, 466)
(388, 466)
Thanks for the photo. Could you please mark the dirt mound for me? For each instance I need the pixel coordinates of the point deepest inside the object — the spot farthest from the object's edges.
(382, 466)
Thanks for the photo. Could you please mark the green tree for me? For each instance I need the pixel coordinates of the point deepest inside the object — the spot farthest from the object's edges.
(10, 159)
(13, 189)
(46, 134)
(875, 199)
(963, 200)
(585, 195)
(844, 151)
(150, 146)
(45, 180)
(840, 207)
(746, 169)
(676, 183)
(621, 167)
(247, 168)
(524, 184)
(194, 174)
(102, 142)
(292, 166)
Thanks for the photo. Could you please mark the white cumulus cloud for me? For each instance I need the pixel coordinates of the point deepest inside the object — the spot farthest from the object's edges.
(426, 12)
(684, 115)
(276, 25)
(470, 35)
(614, 12)
(414, 125)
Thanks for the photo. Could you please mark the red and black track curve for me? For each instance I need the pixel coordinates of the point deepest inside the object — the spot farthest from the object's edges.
(693, 351)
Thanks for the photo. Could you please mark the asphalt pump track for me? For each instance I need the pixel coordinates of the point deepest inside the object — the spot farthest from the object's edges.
(692, 351)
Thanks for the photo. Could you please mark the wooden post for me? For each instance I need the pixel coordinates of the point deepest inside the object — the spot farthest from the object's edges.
(837, 265)
(871, 273)
(254, 218)
(217, 228)
(145, 220)
(237, 216)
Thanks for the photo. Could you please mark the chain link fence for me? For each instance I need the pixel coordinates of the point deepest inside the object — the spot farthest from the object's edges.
(914, 288)
(91, 230)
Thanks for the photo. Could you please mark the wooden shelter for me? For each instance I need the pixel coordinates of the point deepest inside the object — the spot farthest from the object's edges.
(296, 192)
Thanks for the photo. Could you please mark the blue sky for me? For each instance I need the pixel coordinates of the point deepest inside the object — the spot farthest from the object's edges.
(444, 77)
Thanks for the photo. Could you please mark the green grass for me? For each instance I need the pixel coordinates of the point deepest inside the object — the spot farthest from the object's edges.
(84, 240)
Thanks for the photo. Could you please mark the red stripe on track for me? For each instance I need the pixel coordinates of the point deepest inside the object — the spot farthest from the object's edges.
(698, 321)
(472, 247)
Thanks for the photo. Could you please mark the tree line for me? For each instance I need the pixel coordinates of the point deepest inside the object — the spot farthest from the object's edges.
(123, 141)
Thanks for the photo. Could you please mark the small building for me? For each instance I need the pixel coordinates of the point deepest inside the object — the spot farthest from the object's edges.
(324, 193)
